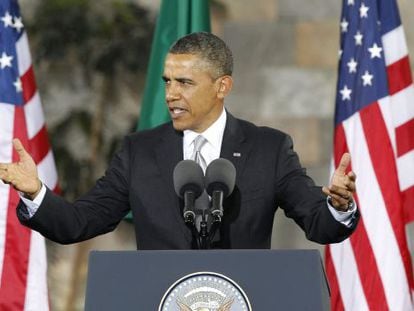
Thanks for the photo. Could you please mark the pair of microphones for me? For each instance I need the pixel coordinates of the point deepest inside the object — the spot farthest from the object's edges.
(190, 182)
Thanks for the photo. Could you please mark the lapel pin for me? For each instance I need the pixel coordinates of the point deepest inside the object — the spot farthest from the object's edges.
(237, 154)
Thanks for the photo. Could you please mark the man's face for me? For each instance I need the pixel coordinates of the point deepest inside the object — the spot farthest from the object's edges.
(192, 94)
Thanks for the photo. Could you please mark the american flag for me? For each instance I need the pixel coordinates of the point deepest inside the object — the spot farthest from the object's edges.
(374, 121)
(23, 283)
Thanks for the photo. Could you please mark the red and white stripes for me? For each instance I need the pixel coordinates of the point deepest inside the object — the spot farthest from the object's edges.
(372, 270)
(23, 279)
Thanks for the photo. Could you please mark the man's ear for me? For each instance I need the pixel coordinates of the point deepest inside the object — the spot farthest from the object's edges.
(225, 83)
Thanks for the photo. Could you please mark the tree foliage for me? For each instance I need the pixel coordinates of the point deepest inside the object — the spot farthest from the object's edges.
(100, 35)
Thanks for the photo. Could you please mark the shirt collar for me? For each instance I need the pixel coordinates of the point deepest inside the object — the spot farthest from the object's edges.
(214, 134)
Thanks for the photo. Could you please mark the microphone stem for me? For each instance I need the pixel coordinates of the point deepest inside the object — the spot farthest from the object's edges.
(188, 212)
(217, 205)
(204, 235)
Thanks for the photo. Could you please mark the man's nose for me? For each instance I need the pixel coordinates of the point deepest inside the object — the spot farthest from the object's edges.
(172, 92)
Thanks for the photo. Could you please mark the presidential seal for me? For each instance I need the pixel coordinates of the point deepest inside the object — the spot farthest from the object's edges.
(205, 291)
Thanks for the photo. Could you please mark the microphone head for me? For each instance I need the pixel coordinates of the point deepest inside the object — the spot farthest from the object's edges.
(188, 176)
(220, 176)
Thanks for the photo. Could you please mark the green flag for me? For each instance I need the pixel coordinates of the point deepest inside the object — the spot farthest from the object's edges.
(176, 19)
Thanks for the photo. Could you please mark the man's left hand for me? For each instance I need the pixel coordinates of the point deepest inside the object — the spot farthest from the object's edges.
(342, 185)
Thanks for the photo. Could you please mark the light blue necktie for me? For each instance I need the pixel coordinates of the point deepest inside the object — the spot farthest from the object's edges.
(199, 142)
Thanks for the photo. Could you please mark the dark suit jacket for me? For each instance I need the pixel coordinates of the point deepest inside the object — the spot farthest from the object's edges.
(140, 178)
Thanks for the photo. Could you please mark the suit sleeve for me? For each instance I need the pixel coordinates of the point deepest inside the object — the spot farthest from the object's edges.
(305, 202)
(97, 212)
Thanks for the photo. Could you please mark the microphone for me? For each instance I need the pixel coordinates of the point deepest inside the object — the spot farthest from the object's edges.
(220, 180)
(188, 184)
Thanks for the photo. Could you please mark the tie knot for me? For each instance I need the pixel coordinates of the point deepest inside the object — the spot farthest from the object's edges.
(199, 142)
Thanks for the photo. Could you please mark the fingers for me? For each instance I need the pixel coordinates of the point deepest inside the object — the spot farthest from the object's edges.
(4, 176)
(344, 163)
(341, 178)
(352, 176)
(339, 202)
(18, 146)
(340, 193)
(3, 169)
(22, 175)
(5, 173)
(339, 197)
(342, 185)
(21, 180)
(348, 182)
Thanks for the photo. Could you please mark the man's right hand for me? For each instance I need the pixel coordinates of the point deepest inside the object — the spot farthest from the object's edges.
(22, 175)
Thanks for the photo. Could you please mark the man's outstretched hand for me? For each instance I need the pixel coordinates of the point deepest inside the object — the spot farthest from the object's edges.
(342, 185)
(22, 175)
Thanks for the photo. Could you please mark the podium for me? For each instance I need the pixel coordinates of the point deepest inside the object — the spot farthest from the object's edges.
(246, 279)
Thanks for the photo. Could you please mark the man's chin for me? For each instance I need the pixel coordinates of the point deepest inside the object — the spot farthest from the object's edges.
(179, 126)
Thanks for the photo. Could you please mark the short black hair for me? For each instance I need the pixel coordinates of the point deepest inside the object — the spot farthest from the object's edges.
(208, 47)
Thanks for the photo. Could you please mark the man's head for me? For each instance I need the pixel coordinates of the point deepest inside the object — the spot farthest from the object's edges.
(197, 75)
(208, 47)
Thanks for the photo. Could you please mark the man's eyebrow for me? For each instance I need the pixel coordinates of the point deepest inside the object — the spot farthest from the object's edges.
(181, 80)
(184, 80)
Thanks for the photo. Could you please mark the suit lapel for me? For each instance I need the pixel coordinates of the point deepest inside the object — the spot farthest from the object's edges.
(235, 146)
(168, 153)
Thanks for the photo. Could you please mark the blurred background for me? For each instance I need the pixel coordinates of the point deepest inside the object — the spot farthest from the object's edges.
(90, 60)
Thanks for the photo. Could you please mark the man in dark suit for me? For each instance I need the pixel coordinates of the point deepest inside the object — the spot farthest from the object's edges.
(198, 77)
